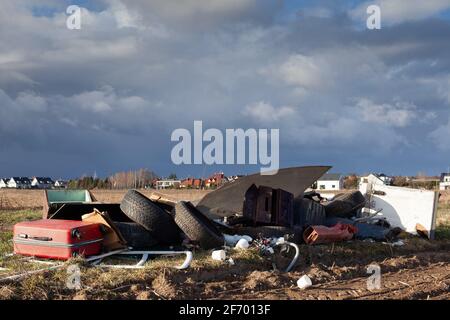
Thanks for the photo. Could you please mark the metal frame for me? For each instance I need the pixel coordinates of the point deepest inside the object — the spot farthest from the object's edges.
(96, 260)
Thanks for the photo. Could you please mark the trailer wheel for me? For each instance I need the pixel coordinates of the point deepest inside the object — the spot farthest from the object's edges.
(135, 235)
(197, 226)
(151, 216)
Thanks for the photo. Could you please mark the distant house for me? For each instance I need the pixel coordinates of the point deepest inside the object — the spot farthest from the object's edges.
(19, 183)
(168, 184)
(191, 183)
(444, 183)
(330, 181)
(386, 179)
(3, 183)
(61, 184)
(215, 180)
(42, 183)
(377, 179)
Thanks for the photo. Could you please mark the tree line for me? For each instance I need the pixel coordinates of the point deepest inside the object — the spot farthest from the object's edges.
(137, 179)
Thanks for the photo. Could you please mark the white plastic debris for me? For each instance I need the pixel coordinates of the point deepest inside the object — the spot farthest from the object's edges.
(304, 282)
(231, 261)
(398, 243)
(242, 244)
(280, 240)
(219, 255)
(233, 240)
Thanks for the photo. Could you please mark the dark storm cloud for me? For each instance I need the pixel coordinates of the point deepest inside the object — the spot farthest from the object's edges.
(108, 96)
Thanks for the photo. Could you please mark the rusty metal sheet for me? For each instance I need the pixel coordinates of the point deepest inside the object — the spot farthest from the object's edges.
(228, 200)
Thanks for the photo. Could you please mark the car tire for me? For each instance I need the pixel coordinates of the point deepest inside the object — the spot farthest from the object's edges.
(135, 235)
(345, 205)
(197, 226)
(151, 216)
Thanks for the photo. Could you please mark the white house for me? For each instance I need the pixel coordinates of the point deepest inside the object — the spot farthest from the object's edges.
(164, 184)
(42, 183)
(366, 183)
(387, 180)
(371, 179)
(4, 183)
(330, 181)
(445, 181)
(19, 183)
(61, 184)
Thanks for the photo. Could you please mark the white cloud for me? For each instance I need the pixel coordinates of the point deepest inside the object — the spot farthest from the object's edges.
(397, 11)
(141, 68)
(265, 112)
(298, 70)
(399, 114)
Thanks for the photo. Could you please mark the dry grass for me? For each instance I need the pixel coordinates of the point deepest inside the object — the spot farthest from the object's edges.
(12, 199)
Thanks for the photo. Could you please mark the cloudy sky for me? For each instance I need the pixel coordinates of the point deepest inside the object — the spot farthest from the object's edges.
(107, 97)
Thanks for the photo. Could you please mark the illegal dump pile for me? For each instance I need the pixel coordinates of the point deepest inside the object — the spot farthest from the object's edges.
(273, 214)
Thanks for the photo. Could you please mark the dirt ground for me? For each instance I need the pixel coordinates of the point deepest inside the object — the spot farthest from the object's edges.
(420, 269)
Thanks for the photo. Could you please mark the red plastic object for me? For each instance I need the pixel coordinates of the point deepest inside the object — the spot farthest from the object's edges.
(57, 239)
(322, 234)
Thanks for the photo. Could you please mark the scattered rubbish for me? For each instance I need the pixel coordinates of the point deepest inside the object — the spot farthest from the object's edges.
(161, 198)
(267, 247)
(57, 239)
(73, 204)
(135, 235)
(269, 232)
(227, 200)
(308, 212)
(264, 205)
(219, 255)
(232, 240)
(366, 230)
(242, 244)
(422, 231)
(271, 213)
(304, 282)
(285, 248)
(398, 243)
(345, 205)
(112, 238)
(145, 255)
(151, 216)
(322, 234)
(197, 226)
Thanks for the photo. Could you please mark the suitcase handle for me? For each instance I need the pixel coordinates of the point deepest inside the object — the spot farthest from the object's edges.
(25, 236)
(76, 233)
